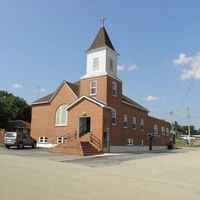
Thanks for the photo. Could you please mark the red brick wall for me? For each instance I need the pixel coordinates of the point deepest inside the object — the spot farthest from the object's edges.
(89, 109)
(101, 87)
(119, 134)
(159, 139)
(43, 116)
(2, 132)
(104, 89)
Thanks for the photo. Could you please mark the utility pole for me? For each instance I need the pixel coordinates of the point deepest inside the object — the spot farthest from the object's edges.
(172, 121)
(38, 91)
(188, 109)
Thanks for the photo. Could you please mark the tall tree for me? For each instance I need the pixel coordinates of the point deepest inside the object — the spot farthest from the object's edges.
(13, 108)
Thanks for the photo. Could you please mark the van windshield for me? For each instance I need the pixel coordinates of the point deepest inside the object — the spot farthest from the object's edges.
(10, 134)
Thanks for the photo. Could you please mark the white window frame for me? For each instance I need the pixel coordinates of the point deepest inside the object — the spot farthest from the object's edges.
(125, 117)
(93, 88)
(114, 117)
(163, 130)
(155, 128)
(95, 64)
(114, 89)
(134, 122)
(59, 115)
(167, 131)
(43, 140)
(129, 142)
(141, 124)
(60, 139)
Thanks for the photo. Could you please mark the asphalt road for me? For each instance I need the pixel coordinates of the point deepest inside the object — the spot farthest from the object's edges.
(108, 159)
(37, 174)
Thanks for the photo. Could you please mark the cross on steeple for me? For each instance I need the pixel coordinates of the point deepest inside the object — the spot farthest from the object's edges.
(102, 20)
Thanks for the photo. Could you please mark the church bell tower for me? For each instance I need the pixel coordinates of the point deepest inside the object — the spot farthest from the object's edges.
(101, 56)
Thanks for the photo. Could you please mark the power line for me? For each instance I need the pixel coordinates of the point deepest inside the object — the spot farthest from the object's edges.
(188, 89)
(177, 116)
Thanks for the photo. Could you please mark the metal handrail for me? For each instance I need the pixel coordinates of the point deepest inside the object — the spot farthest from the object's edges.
(81, 127)
(96, 141)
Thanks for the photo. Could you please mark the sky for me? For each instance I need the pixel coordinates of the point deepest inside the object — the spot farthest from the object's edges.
(43, 42)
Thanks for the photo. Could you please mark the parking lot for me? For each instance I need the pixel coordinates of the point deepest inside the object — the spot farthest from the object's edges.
(108, 159)
(37, 174)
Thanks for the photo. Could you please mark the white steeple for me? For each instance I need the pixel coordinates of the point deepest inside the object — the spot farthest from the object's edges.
(101, 56)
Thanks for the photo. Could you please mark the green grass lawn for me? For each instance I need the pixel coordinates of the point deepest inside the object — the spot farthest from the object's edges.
(182, 143)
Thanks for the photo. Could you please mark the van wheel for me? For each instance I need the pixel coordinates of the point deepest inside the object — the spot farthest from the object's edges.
(20, 145)
(7, 146)
(34, 145)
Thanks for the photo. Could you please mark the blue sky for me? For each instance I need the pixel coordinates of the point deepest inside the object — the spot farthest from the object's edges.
(42, 42)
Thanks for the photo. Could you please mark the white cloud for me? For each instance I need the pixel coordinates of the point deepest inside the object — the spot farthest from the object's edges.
(190, 65)
(151, 98)
(182, 59)
(16, 86)
(129, 67)
(121, 67)
(42, 90)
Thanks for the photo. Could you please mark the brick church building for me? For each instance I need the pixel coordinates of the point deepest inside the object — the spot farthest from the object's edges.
(92, 115)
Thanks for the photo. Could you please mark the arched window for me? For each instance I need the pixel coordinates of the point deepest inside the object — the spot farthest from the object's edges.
(61, 115)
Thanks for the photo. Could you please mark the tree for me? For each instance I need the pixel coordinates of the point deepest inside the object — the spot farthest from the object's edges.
(13, 108)
(178, 127)
(184, 129)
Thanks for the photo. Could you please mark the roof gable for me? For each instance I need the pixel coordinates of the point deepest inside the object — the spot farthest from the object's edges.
(95, 101)
(47, 99)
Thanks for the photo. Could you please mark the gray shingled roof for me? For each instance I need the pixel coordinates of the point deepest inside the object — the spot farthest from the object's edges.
(74, 87)
(102, 39)
(44, 99)
(128, 100)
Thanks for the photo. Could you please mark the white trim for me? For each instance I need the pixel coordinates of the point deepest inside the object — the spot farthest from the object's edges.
(62, 139)
(46, 145)
(114, 89)
(93, 81)
(43, 140)
(163, 130)
(135, 106)
(114, 124)
(89, 99)
(130, 142)
(125, 120)
(155, 129)
(99, 75)
(60, 125)
(142, 124)
(134, 117)
(102, 48)
(41, 102)
(58, 115)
